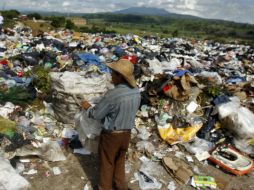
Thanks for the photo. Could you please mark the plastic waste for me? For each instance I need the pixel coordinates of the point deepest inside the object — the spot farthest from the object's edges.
(231, 160)
(176, 135)
(50, 151)
(89, 130)
(152, 168)
(9, 178)
(197, 146)
(228, 108)
(90, 127)
(7, 109)
(162, 118)
(214, 75)
(243, 123)
(145, 146)
(144, 111)
(171, 186)
(192, 106)
(7, 127)
(146, 181)
(237, 119)
(30, 172)
(56, 171)
(203, 182)
(81, 151)
(246, 146)
(143, 133)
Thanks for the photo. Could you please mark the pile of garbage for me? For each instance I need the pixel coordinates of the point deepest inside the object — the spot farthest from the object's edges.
(197, 102)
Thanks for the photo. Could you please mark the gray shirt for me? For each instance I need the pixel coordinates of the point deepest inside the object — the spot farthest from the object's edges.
(118, 108)
(1, 20)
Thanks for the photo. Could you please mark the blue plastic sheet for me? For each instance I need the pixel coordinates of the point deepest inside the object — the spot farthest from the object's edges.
(91, 59)
(235, 80)
(180, 73)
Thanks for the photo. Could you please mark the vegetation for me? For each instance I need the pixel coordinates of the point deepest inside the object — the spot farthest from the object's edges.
(34, 15)
(61, 21)
(16, 95)
(8, 17)
(41, 79)
(185, 27)
(96, 29)
(35, 26)
(10, 14)
(58, 21)
(218, 30)
(70, 25)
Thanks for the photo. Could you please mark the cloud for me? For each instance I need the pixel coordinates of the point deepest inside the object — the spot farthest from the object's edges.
(235, 10)
(66, 4)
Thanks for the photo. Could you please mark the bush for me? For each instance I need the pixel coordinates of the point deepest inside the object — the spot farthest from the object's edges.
(8, 23)
(165, 31)
(95, 29)
(84, 29)
(175, 33)
(41, 79)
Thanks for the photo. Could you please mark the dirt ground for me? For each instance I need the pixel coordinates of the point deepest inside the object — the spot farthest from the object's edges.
(79, 170)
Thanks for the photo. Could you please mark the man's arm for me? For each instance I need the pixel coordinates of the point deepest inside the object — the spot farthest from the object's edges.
(99, 111)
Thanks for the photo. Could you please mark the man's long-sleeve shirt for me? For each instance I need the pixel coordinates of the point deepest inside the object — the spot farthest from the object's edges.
(118, 108)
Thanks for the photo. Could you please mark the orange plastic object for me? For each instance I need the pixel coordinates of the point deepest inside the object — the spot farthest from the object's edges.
(231, 160)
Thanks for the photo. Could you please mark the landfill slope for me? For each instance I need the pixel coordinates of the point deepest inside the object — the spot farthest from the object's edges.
(194, 127)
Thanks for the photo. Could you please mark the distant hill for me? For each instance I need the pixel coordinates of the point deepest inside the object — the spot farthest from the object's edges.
(149, 11)
(143, 11)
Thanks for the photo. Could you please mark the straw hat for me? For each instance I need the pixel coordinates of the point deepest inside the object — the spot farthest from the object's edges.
(126, 69)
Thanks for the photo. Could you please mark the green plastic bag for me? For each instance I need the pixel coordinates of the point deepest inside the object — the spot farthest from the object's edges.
(7, 127)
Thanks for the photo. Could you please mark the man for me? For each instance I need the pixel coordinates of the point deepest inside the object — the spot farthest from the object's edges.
(1, 23)
(117, 111)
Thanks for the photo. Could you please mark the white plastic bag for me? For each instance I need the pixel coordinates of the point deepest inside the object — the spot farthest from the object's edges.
(146, 181)
(155, 66)
(214, 75)
(171, 186)
(7, 109)
(50, 151)
(144, 134)
(145, 146)
(10, 179)
(229, 108)
(76, 83)
(198, 146)
(237, 119)
(91, 128)
(89, 131)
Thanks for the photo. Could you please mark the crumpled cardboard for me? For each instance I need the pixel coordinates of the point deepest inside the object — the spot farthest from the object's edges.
(177, 168)
(179, 88)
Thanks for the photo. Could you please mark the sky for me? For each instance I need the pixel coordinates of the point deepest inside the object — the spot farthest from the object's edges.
(234, 10)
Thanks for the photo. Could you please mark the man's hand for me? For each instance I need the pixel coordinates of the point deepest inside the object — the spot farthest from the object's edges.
(85, 105)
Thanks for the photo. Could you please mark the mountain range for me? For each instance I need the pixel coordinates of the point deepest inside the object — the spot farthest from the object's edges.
(149, 11)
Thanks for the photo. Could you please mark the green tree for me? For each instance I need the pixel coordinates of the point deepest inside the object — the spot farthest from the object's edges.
(175, 33)
(58, 21)
(10, 14)
(70, 25)
(34, 15)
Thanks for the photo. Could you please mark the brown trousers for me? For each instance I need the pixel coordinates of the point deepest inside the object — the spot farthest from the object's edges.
(112, 151)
